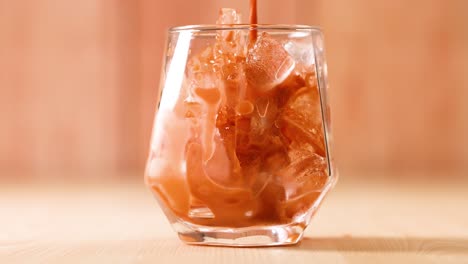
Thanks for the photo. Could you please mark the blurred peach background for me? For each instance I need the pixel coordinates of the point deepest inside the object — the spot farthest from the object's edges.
(79, 79)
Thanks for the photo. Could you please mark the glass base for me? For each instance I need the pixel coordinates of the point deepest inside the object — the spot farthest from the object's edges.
(252, 236)
(258, 236)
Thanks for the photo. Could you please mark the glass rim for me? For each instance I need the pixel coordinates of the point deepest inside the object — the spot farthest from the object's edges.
(216, 27)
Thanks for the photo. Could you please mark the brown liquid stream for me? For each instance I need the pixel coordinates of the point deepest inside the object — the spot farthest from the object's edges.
(253, 20)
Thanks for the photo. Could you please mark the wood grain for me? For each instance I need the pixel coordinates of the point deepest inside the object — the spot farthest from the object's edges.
(121, 223)
(79, 80)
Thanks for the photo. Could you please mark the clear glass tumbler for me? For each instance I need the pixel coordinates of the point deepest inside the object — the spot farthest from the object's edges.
(240, 150)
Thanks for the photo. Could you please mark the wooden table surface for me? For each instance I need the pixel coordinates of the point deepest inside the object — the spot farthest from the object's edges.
(121, 223)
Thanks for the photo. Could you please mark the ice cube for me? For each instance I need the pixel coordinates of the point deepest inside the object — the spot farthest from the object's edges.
(301, 51)
(301, 124)
(307, 173)
(267, 64)
(286, 89)
(230, 43)
(229, 16)
(301, 120)
(304, 180)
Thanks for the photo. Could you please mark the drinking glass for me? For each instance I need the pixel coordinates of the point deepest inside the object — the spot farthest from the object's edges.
(240, 153)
